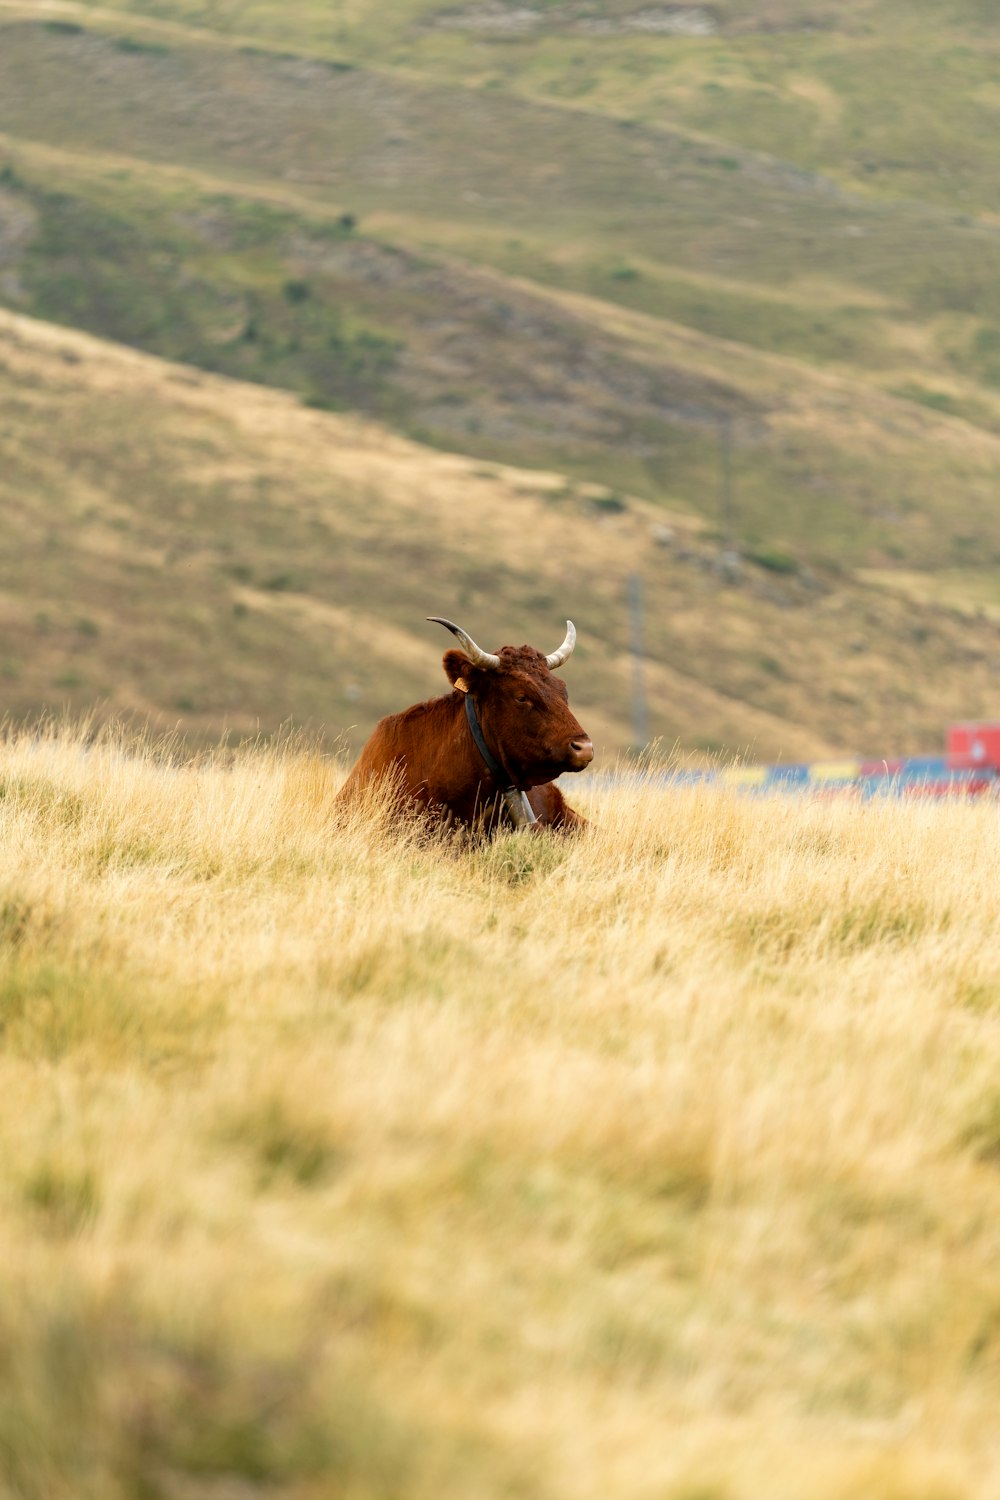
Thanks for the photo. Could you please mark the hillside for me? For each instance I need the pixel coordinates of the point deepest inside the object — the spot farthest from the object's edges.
(703, 346)
(315, 225)
(215, 555)
(895, 95)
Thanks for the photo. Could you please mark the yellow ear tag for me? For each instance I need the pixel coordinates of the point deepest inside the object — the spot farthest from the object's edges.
(461, 684)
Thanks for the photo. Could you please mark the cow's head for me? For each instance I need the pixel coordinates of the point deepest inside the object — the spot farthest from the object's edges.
(521, 706)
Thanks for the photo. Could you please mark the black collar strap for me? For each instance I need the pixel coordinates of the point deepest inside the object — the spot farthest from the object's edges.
(503, 781)
(517, 803)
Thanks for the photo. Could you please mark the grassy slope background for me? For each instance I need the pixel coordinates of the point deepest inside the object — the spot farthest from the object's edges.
(210, 553)
(471, 252)
(895, 97)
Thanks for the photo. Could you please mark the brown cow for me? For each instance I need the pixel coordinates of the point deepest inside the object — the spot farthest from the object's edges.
(488, 751)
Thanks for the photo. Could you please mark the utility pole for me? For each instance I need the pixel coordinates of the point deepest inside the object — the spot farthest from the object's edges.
(726, 495)
(640, 717)
(728, 564)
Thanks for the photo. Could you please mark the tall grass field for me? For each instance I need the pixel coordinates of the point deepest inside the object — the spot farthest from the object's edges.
(338, 1161)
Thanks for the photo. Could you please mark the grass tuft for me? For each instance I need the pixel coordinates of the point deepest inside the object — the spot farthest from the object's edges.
(68, 1199)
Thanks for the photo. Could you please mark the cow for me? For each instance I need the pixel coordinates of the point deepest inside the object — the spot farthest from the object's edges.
(486, 754)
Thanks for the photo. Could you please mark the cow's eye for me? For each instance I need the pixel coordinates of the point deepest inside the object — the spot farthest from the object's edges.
(522, 698)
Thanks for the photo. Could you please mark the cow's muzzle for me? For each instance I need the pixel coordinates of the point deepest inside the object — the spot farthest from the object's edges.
(580, 753)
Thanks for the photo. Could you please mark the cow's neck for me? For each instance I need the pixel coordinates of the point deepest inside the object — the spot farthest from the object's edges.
(463, 780)
(514, 799)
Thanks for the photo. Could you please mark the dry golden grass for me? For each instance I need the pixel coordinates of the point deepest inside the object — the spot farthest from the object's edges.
(658, 1162)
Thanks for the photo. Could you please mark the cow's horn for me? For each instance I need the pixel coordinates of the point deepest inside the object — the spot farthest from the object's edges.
(476, 654)
(566, 649)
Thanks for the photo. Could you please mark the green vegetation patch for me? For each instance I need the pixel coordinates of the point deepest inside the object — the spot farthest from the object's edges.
(205, 285)
(105, 1395)
(287, 1142)
(52, 1008)
(67, 1198)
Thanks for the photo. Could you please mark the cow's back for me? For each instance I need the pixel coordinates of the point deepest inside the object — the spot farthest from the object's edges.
(405, 749)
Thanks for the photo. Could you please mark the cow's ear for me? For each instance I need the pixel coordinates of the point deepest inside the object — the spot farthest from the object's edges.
(459, 670)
